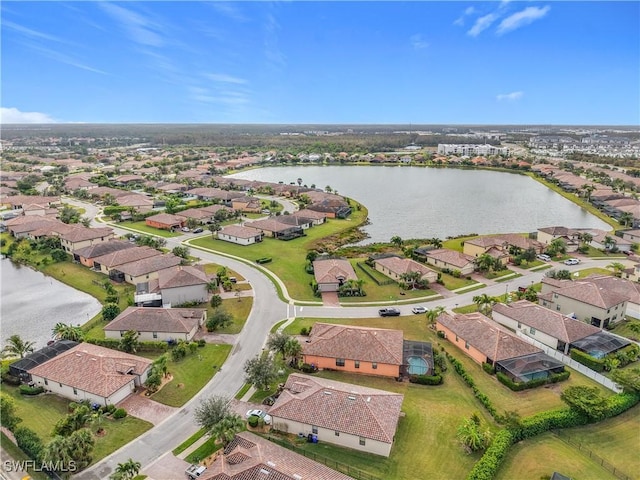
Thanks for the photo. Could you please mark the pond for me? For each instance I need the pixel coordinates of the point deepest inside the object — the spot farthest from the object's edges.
(419, 202)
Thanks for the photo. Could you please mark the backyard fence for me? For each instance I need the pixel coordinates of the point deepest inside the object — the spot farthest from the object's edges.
(338, 466)
(601, 461)
(372, 277)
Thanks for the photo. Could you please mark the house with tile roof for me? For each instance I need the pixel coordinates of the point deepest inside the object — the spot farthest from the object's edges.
(94, 373)
(157, 323)
(111, 261)
(372, 351)
(82, 237)
(343, 414)
(330, 274)
(318, 218)
(249, 457)
(86, 255)
(165, 221)
(178, 285)
(622, 286)
(247, 204)
(584, 300)
(141, 272)
(395, 267)
(546, 326)
(451, 259)
(240, 234)
(273, 227)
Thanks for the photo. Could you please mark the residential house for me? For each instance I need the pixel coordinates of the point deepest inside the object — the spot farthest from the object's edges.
(165, 221)
(450, 259)
(240, 235)
(583, 300)
(628, 289)
(23, 226)
(249, 456)
(18, 202)
(72, 184)
(215, 194)
(296, 220)
(318, 218)
(82, 237)
(632, 236)
(90, 372)
(488, 342)
(246, 204)
(181, 284)
(200, 215)
(395, 267)
(554, 329)
(157, 323)
(339, 413)
(330, 274)
(492, 245)
(138, 202)
(272, 227)
(372, 351)
(112, 260)
(570, 236)
(632, 273)
(605, 241)
(86, 255)
(140, 272)
(335, 207)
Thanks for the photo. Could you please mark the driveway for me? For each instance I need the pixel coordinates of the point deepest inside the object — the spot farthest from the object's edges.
(166, 467)
(146, 409)
(330, 299)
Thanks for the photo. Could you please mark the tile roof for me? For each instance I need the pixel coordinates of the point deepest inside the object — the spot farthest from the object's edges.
(544, 320)
(401, 266)
(330, 270)
(452, 257)
(166, 218)
(103, 248)
(620, 286)
(249, 456)
(240, 232)
(92, 368)
(120, 257)
(152, 319)
(306, 213)
(486, 336)
(150, 264)
(269, 224)
(182, 276)
(591, 294)
(197, 213)
(81, 234)
(351, 409)
(357, 343)
(134, 200)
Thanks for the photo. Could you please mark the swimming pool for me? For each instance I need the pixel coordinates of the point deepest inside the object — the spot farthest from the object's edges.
(417, 366)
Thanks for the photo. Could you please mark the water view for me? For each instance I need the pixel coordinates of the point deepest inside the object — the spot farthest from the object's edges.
(33, 303)
(417, 202)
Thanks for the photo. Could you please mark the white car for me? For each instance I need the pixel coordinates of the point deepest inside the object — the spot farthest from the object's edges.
(419, 310)
(572, 261)
(185, 229)
(260, 413)
(544, 257)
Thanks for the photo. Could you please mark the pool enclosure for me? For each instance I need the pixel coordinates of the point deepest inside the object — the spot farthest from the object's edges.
(600, 344)
(417, 358)
(529, 367)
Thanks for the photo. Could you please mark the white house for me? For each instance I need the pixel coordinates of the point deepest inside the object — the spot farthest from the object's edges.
(157, 324)
(240, 235)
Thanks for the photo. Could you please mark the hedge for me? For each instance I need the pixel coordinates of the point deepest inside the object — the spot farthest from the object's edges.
(27, 390)
(487, 367)
(484, 400)
(519, 386)
(426, 379)
(29, 442)
(119, 413)
(142, 346)
(487, 467)
(587, 360)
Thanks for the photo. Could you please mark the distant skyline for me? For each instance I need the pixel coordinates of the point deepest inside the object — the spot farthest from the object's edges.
(302, 62)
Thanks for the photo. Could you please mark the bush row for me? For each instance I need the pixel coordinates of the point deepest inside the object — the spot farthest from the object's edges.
(426, 379)
(484, 400)
(487, 467)
(142, 346)
(27, 390)
(587, 360)
(519, 386)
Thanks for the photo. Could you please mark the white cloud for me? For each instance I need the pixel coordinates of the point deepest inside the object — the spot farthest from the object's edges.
(467, 11)
(140, 29)
(13, 115)
(224, 78)
(482, 24)
(510, 97)
(29, 32)
(522, 18)
(228, 10)
(418, 42)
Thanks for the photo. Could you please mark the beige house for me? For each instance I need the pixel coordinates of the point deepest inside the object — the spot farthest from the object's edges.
(451, 259)
(584, 300)
(548, 234)
(339, 413)
(110, 261)
(547, 326)
(372, 351)
(90, 372)
(240, 235)
(318, 218)
(395, 267)
(82, 237)
(332, 273)
(632, 236)
(157, 324)
(140, 272)
(181, 284)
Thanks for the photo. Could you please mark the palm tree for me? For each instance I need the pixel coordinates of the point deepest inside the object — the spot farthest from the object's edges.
(397, 241)
(617, 268)
(557, 246)
(626, 218)
(225, 430)
(292, 348)
(126, 470)
(63, 331)
(16, 347)
(587, 190)
(484, 262)
(433, 314)
(484, 302)
(585, 238)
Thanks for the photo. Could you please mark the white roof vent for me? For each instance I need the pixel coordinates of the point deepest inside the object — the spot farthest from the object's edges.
(327, 393)
(271, 464)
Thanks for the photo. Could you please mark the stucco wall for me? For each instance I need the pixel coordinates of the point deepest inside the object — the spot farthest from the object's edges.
(239, 241)
(384, 369)
(508, 322)
(180, 295)
(67, 391)
(460, 343)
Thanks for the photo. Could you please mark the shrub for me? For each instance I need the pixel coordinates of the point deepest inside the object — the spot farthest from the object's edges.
(119, 413)
(306, 368)
(10, 379)
(487, 467)
(426, 379)
(27, 390)
(304, 331)
(110, 408)
(202, 342)
(487, 367)
(29, 442)
(253, 421)
(440, 334)
(587, 360)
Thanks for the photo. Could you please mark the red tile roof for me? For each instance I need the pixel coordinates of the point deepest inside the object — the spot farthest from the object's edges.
(152, 319)
(333, 269)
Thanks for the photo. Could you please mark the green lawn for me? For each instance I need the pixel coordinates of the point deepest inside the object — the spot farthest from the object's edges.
(457, 244)
(16, 454)
(212, 269)
(593, 271)
(239, 308)
(118, 433)
(189, 441)
(500, 274)
(539, 457)
(453, 283)
(534, 263)
(190, 374)
(203, 451)
(622, 328)
(141, 226)
(288, 257)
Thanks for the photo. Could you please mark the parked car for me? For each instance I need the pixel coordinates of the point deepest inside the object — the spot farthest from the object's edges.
(419, 310)
(389, 312)
(260, 413)
(544, 257)
(198, 230)
(572, 261)
(185, 229)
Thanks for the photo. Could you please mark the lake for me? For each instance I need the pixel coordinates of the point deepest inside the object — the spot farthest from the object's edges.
(418, 202)
(32, 303)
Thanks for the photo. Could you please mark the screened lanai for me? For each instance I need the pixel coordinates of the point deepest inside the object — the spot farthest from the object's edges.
(529, 367)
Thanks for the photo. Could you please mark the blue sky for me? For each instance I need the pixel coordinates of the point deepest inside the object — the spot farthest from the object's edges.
(321, 62)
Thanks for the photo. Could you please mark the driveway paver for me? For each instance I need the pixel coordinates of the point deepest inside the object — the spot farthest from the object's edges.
(142, 407)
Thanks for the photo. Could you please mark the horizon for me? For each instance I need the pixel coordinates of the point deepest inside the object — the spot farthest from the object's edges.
(321, 63)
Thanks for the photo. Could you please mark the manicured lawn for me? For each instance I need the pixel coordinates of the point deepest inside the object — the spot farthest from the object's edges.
(212, 269)
(616, 440)
(457, 244)
(203, 451)
(500, 274)
(144, 228)
(16, 454)
(593, 271)
(241, 393)
(119, 433)
(288, 257)
(190, 374)
(622, 328)
(360, 265)
(594, 252)
(453, 283)
(534, 263)
(189, 441)
(539, 457)
(39, 413)
(239, 308)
